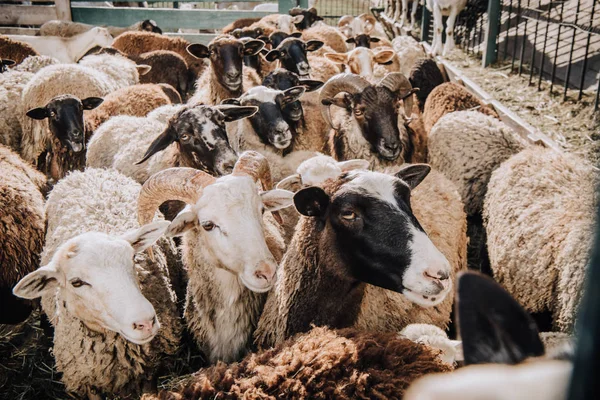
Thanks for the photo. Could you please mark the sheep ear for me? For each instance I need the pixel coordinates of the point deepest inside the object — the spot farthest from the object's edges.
(297, 35)
(183, 222)
(343, 102)
(494, 328)
(339, 58)
(38, 113)
(374, 40)
(311, 85)
(351, 40)
(143, 69)
(414, 174)
(290, 182)
(37, 283)
(144, 237)
(8, 63)
(253, 47)
(266, 40)
(160, 143)
(237, 33)
(198, 50)
(235, 112)
(277, 199)
(351, 165)
(297, 19)
(91, 102)
(292, 94)
(314, 45)
(273, 55)
(312, 202)
(383, 56)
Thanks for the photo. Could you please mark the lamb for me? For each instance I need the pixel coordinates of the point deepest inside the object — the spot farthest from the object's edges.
(23, 227)
(136, 100)
(63, 134)
(328, 34)
(193, 137)
(68, 29)
(120, 70)
(409, 51)
(552, 198)
(345, 364)
(364, 62)
(450, 9)
(496, 330)
(229, 249)
(15, 50)
(226, 77)
(268, 132)
(92, 265)
(66, 50)
(137, 43)
(426, 75)
(371, 292)
(468, 146)
(34, 63)
(386, 140)
(450, 97)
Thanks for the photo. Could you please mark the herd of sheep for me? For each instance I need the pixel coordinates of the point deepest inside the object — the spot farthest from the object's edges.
(298, 202)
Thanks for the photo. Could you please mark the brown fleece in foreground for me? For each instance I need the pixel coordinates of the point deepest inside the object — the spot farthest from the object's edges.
(15, 50)
(320, 364)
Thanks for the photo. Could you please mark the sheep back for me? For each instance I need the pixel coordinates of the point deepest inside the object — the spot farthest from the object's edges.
(467, 146)
(121, 70)
(15, 50)
(449, 97)
(539, 218)
(426, 76)
(12, 84)
(167, 67)
(35, 63)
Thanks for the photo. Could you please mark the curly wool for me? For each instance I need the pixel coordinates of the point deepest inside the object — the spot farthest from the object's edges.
(449, 97)
(433, 337)
(468, 146)
(12, 84)
(167, 67)
(539, 217)
(121, 71)
(329, 35)
(48, 83)
(106, 201)
(321, 364)
(15, 50)
(34, 63)
(426, 76)
(136, 100)
(409, 51)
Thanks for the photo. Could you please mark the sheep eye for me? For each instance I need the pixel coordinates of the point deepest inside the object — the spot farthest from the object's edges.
(358, 113)
(349, 215)
(283, 53)
(52, 114)
(208, 226)
(78, 283)
(185, 137)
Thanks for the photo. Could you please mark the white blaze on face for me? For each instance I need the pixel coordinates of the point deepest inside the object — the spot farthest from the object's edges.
(364, 60)
(261, 94)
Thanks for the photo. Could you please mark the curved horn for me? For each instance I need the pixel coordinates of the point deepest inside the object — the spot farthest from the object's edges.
(349, 83)
(256, 166)
(184, 184)
(345, 20)
(367, 19)
(399, 84)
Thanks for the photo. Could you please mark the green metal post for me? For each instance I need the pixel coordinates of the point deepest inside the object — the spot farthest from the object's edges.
(425, 22)
(286, 5)
(303, 3)
(490, 54)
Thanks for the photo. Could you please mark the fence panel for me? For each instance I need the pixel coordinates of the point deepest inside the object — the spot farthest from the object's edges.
(332, 10)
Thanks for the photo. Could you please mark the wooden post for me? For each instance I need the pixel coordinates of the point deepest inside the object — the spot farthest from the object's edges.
(490, 54)
(63, 10)
(425, 22)
(287, 5)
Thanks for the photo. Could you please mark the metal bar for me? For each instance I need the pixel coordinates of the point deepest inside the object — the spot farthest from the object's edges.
(587, 52)
(523, 47)
(512, 65)
(544, 52)
(533, 50)
(568, 75)
(507, 30)
(425, 23)
(562, 9)
(597, 103)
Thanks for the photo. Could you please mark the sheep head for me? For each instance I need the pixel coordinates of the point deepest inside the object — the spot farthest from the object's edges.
(361, 60)
(150, 25)
(310, 17)
(292, 54)
(282, 79)
(201, 137)
(363, 40)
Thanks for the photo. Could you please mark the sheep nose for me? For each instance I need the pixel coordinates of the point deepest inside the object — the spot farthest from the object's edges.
(145, 326)
(232, 75)
(265, 271)
(227, 166)
(392, 146)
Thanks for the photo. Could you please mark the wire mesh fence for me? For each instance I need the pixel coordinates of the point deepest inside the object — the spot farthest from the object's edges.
(332, 10)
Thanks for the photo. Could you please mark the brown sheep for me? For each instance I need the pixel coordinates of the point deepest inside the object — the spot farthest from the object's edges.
(136, 100)
(167, 67)
(22, 222)
(171, 93)
(137, 43)
(15, 50)
(321, 364)
(449, 97)
(239, 24)
(328, 34)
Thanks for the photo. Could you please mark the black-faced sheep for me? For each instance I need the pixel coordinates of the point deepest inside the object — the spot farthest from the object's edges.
(539, 217)
(345, 364)
(371, 267)
(112, 307)
(310, 15)
(426, 75)
(230, 249)
(22, 228)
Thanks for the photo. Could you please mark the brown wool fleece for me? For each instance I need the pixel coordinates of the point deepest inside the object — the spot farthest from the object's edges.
(15, 50)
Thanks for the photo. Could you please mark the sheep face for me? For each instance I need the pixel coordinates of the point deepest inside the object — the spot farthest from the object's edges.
(292, 55)
(361, 60)
(363, 40)
(286, 23)
(4, 64)
(201, 137)
(150, 25)
(282, 79)
(65, 119)
(379, 240)
(226, 55)
(94, 275)
(269, 122)
(228, 219)
(310, 17)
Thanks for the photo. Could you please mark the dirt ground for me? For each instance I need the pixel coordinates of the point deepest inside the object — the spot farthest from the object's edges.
(572, 124)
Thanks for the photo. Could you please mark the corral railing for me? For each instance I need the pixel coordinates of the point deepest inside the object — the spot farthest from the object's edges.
(332, 10)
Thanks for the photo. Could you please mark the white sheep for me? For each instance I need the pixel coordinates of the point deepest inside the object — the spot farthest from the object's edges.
(450, 9)
(366, 62)
(121, 70)
(409, 51)
(230, 249)
(67, 50)
(34, 63)
(539, 217)
(93, 265)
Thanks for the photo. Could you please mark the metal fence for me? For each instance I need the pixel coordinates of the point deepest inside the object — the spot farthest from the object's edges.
(332, 10)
